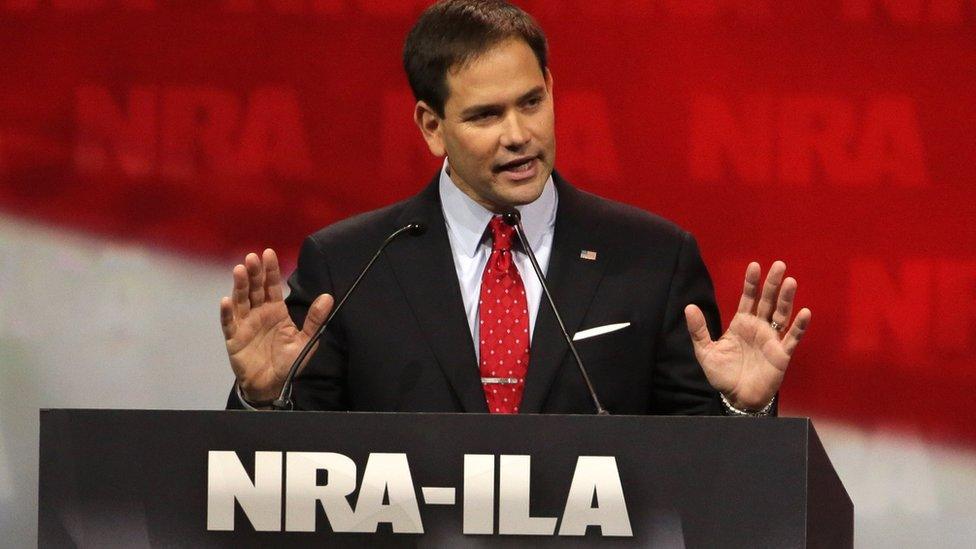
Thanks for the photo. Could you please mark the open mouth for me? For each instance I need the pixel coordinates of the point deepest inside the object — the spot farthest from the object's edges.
(519, 165)
(520, 168)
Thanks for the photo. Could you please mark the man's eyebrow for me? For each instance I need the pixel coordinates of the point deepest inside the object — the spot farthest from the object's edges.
(475, 109)
(531, 93)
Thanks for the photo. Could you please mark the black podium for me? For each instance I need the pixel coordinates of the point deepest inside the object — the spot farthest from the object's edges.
(117, 478)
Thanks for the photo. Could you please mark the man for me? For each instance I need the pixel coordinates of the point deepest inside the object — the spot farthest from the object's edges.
(420, 333)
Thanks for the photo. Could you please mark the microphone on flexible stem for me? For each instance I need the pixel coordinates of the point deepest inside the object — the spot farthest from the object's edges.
(514, 219)
(283, 402)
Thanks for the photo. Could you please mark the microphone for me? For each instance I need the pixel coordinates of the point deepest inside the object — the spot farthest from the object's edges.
(283, 402)
(514, 219)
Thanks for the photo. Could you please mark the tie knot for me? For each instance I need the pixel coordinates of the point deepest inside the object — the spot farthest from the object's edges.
(501, 233)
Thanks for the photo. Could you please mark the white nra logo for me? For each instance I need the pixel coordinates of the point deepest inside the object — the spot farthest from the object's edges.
(387, 494)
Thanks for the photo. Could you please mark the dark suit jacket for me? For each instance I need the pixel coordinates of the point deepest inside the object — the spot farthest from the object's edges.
(402, 342)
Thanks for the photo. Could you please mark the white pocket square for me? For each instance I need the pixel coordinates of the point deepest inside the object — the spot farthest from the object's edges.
(599, 330)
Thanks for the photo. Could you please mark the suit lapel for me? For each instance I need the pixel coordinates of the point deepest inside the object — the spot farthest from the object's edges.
(425, 271)
(572, 281)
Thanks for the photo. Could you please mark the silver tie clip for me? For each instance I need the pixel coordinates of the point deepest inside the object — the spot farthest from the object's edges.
(500, 380)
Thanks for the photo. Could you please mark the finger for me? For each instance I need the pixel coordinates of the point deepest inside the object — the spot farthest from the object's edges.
(770, 291)
(242, 304)
(272, 276)
(750, 289)
(227, 323)
(697, 328)
(317, 314)
(784, 305)
(255, 279)
(799, 327)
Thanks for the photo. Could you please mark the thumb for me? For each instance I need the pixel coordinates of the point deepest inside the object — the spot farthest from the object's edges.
(697, 328)
(317, 314)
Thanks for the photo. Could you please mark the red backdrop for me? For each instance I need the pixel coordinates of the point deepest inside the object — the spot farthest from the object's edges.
(837, 135)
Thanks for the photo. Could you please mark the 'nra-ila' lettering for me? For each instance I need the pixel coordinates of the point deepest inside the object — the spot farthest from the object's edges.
(387, 494)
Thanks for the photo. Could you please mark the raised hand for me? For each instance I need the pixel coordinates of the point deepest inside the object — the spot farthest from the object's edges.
(748, 362)
(261, 339)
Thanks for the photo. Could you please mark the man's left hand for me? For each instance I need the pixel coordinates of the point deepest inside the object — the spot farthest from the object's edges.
(748, 362)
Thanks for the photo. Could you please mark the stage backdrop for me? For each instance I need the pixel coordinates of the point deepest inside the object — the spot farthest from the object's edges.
(146, 145)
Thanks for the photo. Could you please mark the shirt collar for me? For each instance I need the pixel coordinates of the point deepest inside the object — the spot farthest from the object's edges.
(466, 219)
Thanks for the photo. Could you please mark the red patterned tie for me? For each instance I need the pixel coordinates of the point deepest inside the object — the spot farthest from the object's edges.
(503, 324)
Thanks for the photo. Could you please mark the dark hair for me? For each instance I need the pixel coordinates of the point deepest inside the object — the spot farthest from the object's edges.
(451, 33)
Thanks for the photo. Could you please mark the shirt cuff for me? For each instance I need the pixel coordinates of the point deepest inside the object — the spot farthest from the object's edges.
(244, 402)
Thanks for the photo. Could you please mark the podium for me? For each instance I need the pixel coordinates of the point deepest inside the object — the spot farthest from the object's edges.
(144, 478)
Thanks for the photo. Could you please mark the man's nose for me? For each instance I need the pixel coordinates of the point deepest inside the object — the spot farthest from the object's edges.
(515, 135)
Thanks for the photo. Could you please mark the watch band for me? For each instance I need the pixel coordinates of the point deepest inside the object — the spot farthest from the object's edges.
(733, 411)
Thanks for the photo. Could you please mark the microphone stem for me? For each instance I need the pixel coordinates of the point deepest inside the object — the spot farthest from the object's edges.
(283, 402)
(519, 231)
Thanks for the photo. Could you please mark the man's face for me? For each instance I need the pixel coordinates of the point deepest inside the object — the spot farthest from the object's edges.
(498, 127)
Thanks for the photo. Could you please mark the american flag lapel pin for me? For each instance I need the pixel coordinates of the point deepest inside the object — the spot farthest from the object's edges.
(589, 255)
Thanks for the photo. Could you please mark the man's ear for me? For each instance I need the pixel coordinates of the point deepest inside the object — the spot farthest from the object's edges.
(548, 77)
(430, 126)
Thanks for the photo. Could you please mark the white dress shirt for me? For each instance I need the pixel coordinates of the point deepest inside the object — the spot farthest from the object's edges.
(467, 222)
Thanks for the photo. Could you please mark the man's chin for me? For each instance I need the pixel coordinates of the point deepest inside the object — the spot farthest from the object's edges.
(521, 195)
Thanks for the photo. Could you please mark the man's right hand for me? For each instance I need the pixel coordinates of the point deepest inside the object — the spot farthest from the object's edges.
(262, 341)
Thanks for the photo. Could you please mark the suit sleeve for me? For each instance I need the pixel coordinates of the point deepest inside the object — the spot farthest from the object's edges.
(321, 385)
(679, 385)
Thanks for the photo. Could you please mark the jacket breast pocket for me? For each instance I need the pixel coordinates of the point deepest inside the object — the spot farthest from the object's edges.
(607, 346)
